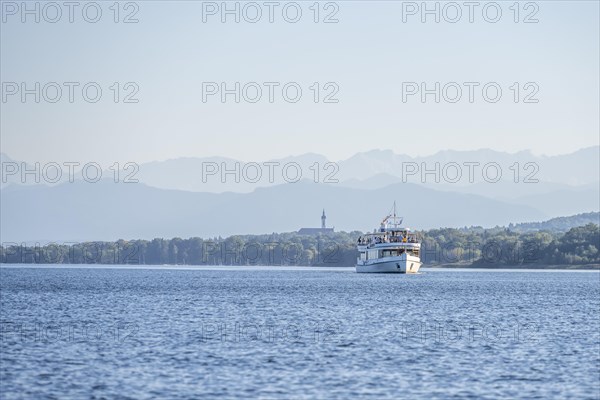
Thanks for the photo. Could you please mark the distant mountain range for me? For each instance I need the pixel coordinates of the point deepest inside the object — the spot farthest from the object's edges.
(375, 169)
(553, 173)
(108, 211)
(172, 201)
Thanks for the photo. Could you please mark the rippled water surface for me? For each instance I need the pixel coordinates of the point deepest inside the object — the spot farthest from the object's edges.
(298, 333)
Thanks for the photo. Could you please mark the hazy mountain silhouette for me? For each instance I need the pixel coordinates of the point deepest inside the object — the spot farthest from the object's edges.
(108, 211)
(565, 171)
(577, 168)
(379, 168)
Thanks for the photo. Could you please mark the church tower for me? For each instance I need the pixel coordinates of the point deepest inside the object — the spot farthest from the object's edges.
(317, 231)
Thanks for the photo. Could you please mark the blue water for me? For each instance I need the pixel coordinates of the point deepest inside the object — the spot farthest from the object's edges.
(298, 333)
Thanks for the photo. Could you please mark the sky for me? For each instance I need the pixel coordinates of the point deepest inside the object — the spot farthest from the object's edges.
(366, 65)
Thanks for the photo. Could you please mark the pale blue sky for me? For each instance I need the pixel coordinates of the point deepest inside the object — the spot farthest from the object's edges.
(369, 53)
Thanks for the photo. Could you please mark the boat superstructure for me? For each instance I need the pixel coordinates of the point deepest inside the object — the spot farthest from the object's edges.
(392, 248)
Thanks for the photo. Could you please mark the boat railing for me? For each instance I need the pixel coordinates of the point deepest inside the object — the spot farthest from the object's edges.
(387, 239)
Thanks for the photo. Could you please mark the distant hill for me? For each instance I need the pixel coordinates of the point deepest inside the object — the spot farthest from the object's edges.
(551, 199)
(109, 211)
(560, 224)
(567, 201)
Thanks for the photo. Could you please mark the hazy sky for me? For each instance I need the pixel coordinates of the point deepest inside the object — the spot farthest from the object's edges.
(368, 55)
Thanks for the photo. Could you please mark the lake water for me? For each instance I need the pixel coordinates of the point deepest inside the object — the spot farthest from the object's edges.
(298, 333)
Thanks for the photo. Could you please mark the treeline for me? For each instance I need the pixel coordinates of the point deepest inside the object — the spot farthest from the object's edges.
(274, 249)
(505, 247)
(467, 246)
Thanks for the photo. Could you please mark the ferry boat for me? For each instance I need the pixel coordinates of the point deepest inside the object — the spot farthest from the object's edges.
(392, 248)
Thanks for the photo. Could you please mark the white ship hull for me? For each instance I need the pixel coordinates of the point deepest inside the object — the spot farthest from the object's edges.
(404, 264)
